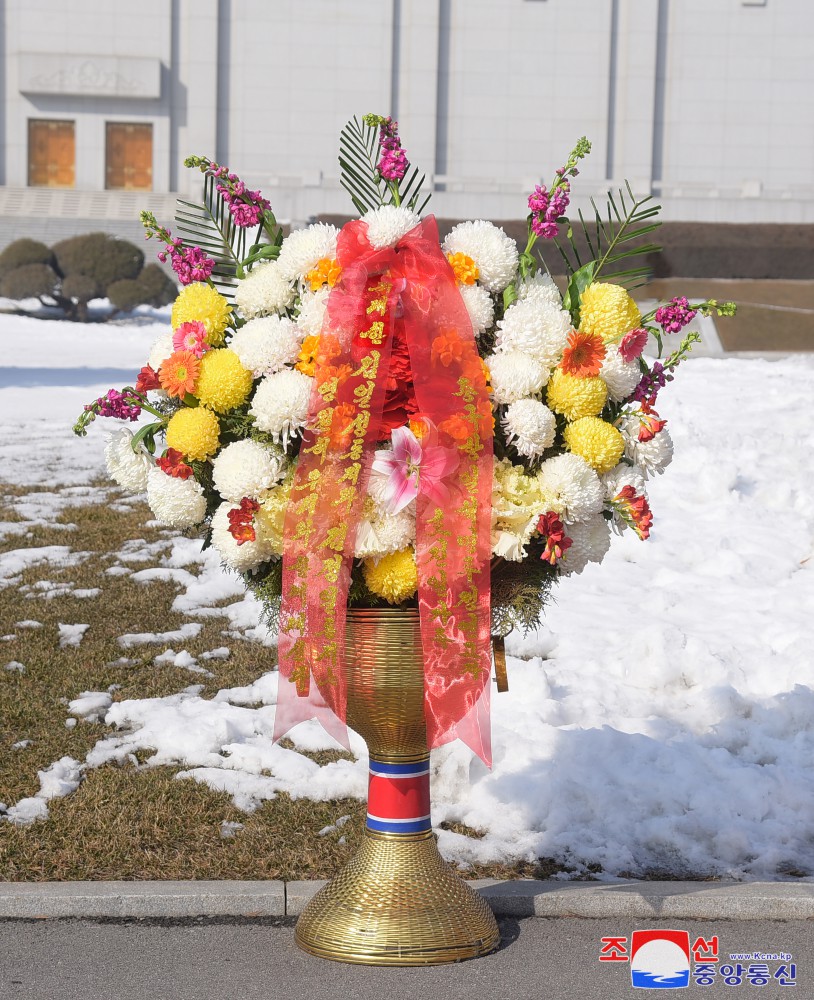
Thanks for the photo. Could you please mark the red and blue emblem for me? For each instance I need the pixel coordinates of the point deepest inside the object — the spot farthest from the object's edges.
(399, 797)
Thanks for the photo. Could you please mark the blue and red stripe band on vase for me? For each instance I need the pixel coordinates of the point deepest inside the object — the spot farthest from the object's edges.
(398, 799)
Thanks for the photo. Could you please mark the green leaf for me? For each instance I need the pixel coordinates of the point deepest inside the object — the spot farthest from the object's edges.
(580, 280)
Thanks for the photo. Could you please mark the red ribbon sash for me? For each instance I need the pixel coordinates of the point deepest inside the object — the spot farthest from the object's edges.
(405, 293)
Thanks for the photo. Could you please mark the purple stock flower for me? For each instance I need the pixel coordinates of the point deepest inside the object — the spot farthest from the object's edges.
(651, 382)
(538, 200)
(675, 315)
(190, 264)
(116, 404)
(393, 162)
(246, 207)
(547, 207)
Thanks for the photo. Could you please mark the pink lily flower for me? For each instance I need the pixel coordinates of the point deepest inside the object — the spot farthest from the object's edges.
(412, 468)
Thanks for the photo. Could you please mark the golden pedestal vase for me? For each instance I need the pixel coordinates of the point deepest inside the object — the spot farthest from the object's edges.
(397, 902)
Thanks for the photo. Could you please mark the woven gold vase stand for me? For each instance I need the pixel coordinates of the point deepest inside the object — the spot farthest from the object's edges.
(397, 902)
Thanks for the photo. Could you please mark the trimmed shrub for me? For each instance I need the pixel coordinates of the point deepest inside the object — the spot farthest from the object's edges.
(22, 252)
(80, 287)
(99, 256)
(151, 288)
(31, 281)
(159, 288)
(126, 294)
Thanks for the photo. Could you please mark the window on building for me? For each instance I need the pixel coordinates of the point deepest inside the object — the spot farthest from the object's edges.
(51, 153)
(129, 157)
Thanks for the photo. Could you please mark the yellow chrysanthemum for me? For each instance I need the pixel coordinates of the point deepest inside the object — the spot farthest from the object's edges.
(576, 397)
(597, 441)
(223, 383)
(325, 271)
(194, 431)
(393, 577)
(608, 311)
(466, 270)
(269, 521)
(201, 302)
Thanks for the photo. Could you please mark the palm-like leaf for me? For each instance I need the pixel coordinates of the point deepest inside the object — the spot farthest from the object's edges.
(359, 176)
(358, 146)
(614, 238)
(209, 225)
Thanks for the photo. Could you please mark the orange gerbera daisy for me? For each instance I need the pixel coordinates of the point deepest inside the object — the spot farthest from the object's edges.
(584, 355)
(179, 373)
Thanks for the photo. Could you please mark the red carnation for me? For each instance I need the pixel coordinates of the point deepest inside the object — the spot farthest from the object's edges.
(241, 521)
(147, 379)
(173, 464)
(557, 542)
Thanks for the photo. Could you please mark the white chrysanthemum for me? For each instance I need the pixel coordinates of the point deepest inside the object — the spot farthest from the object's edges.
(651, 456)
(247, 469)
(380, 534)
(539, 329)
(480, 307)
(241, 557)
(303, 249)
(266, 344)
(280, 404)
(160, 351)
(265, 290)
(126, 467)
(312, 312)
(590, 541)
(570, 487)
(530, 427)
(619, 477)
(540, 289)
(515, 375)
(493, 251)
(387, 225)
(620, 376)
(178, 503)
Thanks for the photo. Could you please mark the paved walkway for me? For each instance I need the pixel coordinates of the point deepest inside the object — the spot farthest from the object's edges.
(544, 958)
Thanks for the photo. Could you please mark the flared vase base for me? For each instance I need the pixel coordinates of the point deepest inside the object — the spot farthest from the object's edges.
(397, 902)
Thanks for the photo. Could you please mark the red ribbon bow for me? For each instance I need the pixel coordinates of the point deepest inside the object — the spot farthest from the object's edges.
(401, 294)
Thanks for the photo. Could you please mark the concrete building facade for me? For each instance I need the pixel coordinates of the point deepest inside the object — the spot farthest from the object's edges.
(706, 104)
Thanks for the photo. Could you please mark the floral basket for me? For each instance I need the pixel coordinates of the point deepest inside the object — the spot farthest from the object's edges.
(373, 418)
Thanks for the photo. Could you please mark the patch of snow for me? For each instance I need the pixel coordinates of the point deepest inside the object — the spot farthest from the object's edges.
(71, 635)
(188, 631)
(90, 705)
(59, 779)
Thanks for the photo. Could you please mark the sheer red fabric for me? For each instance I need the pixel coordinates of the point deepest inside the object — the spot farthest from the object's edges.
(402, 294)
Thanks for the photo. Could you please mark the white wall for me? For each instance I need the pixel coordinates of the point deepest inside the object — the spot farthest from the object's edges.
(706, 103)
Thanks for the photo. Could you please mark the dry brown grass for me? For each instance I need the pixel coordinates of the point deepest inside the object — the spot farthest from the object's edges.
(132, 821)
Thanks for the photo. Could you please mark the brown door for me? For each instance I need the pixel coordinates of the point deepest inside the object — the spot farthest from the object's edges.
(129, 157)
(51, 153)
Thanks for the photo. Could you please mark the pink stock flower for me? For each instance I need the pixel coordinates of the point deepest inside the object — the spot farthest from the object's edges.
(412, 468)
(674, 316)
(191, 337)
(633, 344)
